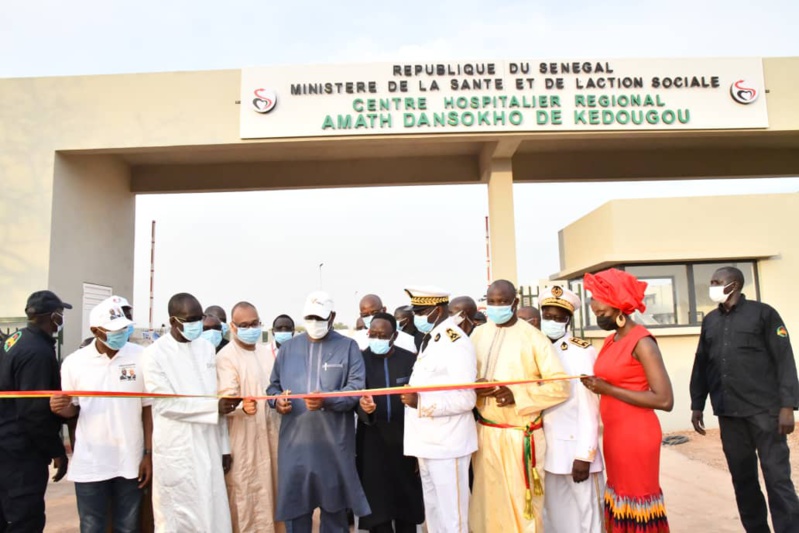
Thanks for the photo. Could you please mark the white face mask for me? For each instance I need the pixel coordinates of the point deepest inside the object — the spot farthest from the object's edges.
(716, 293)
(553, 330)
(317, 329)
(458, 319)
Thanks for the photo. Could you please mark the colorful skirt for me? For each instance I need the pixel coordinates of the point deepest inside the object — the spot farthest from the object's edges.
(628, 514)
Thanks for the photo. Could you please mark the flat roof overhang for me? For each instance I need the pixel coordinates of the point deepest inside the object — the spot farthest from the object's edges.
(459, 159)
(655, 257)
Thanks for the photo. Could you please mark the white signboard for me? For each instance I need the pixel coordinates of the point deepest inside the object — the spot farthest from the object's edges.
(525, 95)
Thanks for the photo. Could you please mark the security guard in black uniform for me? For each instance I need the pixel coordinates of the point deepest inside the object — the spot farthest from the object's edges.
(29, 431)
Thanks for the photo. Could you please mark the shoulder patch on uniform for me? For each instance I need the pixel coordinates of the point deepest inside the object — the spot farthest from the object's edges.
(579, 342)
(438, 336)
(564, 346)
(12, 340)
(782, 332)
(453, 335)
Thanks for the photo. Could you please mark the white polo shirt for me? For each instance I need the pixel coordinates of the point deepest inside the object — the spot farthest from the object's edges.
(109, 439)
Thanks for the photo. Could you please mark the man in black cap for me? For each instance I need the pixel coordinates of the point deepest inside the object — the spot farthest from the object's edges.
(29, 431)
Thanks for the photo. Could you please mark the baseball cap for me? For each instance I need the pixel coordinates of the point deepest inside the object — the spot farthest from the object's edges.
(41, 302)
(108, 315)
(319, 304)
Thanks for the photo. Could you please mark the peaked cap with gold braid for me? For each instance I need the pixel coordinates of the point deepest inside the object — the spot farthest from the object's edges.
(422, 297)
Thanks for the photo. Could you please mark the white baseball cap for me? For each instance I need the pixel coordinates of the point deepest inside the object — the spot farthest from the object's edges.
(108, 315)
(319, 304)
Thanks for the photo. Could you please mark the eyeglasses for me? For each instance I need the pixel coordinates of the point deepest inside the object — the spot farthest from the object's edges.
(256, 324)
(189, 318)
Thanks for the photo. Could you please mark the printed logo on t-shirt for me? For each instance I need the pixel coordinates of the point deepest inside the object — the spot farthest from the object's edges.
(127, 373)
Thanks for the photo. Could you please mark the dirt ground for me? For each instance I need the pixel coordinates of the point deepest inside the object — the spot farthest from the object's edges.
(694, 477)
(708, 450)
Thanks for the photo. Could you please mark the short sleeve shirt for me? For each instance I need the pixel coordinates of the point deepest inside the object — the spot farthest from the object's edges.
(109, 440)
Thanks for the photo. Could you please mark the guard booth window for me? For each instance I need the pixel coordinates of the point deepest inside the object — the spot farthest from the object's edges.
(677, 294)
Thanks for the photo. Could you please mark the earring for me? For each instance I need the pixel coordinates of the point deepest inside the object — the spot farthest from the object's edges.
(621, 320)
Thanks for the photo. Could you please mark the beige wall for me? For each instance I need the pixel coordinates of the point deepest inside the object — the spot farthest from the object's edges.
(92, 232)
(688, 229)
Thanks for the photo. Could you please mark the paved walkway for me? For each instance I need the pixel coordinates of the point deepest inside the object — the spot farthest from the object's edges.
(698, 498)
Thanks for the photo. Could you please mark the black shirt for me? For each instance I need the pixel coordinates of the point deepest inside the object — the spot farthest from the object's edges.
(28, 429)
(744, 361)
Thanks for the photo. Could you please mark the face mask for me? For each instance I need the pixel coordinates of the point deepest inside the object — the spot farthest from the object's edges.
(608, 323)
(458, 319)
(131, 330)
(59, 327)
(192, 330)
(367, 321)
(249, 335)
(553, 330)
(317, 329)
(400, 323)
(716, 293)
(225, 329)
(282, 337)
(422, 324)
(116, 339)
(499, 314)
(214, 336)
(379, 346)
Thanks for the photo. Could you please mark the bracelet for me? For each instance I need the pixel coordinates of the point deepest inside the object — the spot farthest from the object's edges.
(147, 452)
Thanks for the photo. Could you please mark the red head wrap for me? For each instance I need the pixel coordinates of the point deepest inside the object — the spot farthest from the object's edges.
(618, 289)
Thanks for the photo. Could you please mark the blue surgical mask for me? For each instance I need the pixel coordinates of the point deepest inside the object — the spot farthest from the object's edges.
(192, 330)
(116, 339)
(421, 323)
(553, 330)
(249, 335)
(499, 314)
(214, 336)
(131, 330)
(282, 337)
(379, 346)
(225, 329)
(367, 321)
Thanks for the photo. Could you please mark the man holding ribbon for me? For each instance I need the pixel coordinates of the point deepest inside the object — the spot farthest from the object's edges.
(316, 449)
(508, 483)
(190, 434)
(243, 369)
(439, 425)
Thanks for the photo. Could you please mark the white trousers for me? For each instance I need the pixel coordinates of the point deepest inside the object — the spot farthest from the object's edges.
(445, 486)
(571, 507)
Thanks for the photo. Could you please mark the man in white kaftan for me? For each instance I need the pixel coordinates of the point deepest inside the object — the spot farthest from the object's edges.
(189, 434)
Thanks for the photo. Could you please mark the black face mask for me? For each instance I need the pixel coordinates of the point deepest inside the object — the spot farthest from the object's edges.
(607, 323)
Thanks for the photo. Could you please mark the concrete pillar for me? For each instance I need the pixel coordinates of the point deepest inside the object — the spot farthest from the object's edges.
(501, 219)
(92, 233)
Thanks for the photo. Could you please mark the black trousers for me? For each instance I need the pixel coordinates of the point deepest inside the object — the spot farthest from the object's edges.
(745, 440)
(397, 527)
(22, 487)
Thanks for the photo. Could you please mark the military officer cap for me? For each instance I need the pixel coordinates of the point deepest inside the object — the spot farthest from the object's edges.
(557, 296)
(422, 297)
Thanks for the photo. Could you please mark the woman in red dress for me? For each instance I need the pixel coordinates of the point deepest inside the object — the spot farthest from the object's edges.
(632, 382)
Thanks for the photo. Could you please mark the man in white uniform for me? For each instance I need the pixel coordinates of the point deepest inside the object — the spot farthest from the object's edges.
(370, 305)
(575, 485)
(243, 368)
(111, 462)
(189, 434)
(439, 426)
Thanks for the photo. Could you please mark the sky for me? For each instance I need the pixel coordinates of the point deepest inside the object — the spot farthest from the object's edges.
(263, 246)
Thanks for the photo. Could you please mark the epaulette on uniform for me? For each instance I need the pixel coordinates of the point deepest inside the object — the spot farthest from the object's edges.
(453, 335)
(580, 342)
